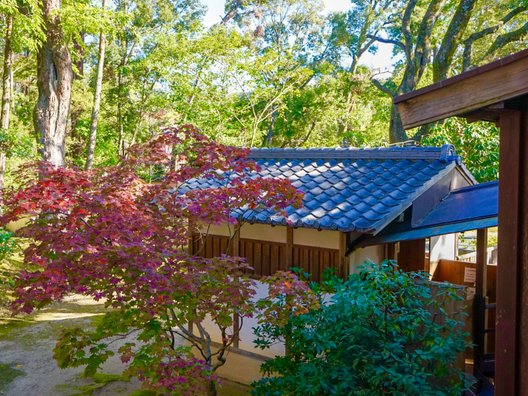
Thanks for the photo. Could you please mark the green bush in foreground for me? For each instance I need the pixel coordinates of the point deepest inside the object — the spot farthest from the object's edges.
(381, 333)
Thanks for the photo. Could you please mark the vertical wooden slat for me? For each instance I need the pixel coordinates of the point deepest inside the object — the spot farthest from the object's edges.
(282, 258)
(315, 269)
(208, 247)
(224, 246)
(257, 258)
(216, 246)
(296, 257)
(265, 260)
(274, 257)
(249, 256)
(307, 253)
(508, 271)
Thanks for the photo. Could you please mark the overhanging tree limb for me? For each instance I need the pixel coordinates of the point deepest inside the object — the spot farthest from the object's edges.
(378, 84)
(386, 40)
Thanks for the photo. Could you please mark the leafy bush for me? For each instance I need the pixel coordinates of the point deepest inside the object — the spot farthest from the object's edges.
(8, 266)
(381, 333)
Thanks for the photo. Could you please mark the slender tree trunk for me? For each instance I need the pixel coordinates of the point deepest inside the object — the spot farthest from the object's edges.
(97, 99)
(54, 82)
(6, 92)
(121, 139)
(79, 50)
(212, 389)
(268, 141)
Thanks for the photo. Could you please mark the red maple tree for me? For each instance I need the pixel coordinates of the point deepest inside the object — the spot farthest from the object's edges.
(120, 234)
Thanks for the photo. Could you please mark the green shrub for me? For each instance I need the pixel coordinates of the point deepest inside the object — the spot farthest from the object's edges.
(7, 243)
(381, 333)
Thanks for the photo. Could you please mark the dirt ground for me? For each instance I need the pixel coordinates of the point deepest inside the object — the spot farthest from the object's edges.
(27, 366)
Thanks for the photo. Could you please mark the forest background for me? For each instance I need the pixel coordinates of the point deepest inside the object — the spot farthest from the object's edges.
(83, 80)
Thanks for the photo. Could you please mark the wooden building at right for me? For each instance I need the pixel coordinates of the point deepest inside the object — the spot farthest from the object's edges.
(496, 92)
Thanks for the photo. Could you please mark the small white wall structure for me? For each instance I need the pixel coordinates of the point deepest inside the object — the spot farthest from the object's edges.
(441, 247)
(376, 254)
(243, 363)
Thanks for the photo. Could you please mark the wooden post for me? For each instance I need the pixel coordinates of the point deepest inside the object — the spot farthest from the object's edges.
(495, 92)
(344, 269)
(479, 302)
(521, 261)
(289, 247)
(511, 352)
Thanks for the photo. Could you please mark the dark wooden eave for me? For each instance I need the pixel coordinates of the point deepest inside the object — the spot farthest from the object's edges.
(469, 94)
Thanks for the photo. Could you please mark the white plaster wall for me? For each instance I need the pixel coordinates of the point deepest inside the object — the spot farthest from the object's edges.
(247, 337)
(312, 237)
(221, 229)
(263, 232)
(376, 254)
(441, 247)
(246, 333)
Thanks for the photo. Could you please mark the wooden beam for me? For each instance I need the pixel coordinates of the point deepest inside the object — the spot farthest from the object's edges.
(476, 89)
(506, 338)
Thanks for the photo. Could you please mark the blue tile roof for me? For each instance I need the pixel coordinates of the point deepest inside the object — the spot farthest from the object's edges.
(464, 209)
(348, 189)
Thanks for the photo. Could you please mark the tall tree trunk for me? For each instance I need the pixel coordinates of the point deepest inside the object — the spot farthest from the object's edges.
(6, 92)
(54, 82)
(443, 59)
(396, 132)
(97, 99)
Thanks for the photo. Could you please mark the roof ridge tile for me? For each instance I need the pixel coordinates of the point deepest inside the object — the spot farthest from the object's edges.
(444, 153)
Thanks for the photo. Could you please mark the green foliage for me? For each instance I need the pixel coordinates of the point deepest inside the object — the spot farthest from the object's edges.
(8, 266)
(476, 143)
(382, 332)
(7, 375)
(7, 243)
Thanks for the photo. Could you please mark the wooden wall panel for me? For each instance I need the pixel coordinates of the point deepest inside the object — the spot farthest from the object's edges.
(266, 258)
(411, 256)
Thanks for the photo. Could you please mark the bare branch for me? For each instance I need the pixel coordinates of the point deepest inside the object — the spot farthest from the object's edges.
(386, 40)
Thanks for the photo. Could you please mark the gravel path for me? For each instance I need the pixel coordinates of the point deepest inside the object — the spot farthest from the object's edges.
(27, 347)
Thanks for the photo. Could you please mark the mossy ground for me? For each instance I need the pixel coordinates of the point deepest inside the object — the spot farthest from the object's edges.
(8, 373)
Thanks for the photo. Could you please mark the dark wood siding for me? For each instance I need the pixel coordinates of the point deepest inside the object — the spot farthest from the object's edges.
(266, 257)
